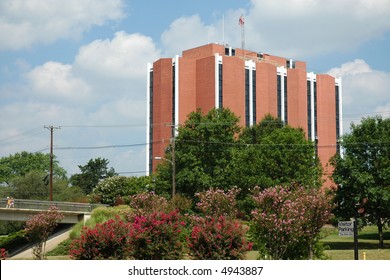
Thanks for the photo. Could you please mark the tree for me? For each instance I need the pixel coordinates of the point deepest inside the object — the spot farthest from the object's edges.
(363, 174)
(272, 154)
(203, 151)
(38, 229)
(22, 163)
(91, 174)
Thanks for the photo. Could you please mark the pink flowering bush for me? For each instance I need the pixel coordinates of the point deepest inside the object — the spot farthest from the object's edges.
(157, 236)
(109, 240)
(38, 229)
(287, 221)
(217, 202)
(4, 253)
(147, 202)
(217, 239)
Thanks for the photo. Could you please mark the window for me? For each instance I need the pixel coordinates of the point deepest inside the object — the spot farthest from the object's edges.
(150, 120)
(254, 95)
(220, 78)
(247, 111)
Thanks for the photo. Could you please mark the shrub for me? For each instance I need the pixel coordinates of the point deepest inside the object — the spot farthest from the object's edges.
(4, 254)
(180, 203)
(14, 240)
(148, 202)
(287, 221)
(111, 190)
(217, 202)
(217, 239)
(108, 240)
(157, 236)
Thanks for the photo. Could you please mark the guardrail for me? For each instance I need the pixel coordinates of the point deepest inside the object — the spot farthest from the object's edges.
(45, 205)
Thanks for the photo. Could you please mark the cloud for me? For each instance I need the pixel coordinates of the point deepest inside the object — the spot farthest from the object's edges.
(185, 33)
(99, 99)
(313, 27)
(365, 90)
(25, 23)
(123, 57)
(290, 28)
(55, 80)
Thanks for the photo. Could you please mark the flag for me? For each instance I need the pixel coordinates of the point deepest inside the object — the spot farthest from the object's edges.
(241, 20)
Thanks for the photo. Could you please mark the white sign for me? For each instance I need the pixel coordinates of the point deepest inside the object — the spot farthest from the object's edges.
(345, 228)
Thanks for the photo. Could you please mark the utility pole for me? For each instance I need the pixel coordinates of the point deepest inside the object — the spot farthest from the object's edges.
(51, 128)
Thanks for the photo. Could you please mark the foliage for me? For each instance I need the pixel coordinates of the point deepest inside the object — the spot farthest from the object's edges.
(38, 229)
(91, 174)
(13, 240)
(217, 238)
(363, 174)
(108, 240)
(22, 163)
(217, 202)
(274, 154)
(100, 215)
(33, 186)
(147, 202)
(9, 227)
(4, 254)
(287, 221)
(203, 150)
(157, 236)
(180, 203)
(114, 190)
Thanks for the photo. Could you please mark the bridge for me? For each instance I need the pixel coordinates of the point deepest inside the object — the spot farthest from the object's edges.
(24, 208)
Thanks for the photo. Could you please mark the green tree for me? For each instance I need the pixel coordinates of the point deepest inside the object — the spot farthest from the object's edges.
(38, 229)
(22, 163)
(91, 174)
(363, 174)
(203, 151)
(34, 185)
(271, 154)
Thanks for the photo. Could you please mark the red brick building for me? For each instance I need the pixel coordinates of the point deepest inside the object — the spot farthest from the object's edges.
(251, 84)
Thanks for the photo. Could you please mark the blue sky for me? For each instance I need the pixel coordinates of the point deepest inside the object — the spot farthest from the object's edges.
(81, 64)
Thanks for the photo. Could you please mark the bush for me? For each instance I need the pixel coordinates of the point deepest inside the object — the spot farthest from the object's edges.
(157, 236)
(287, 221)
(100, 215)
(13, 241)
(108, 240)
(217, 239)
(148, 202)
(217, 202)
(112, 190)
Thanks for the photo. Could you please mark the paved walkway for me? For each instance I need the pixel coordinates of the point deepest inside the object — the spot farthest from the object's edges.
(50, 245)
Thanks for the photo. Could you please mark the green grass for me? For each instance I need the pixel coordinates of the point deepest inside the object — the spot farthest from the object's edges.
(341, 247)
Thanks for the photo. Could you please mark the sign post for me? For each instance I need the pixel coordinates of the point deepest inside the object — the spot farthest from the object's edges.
(349, 228)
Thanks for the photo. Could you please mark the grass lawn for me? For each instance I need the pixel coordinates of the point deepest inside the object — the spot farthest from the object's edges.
(341, 247)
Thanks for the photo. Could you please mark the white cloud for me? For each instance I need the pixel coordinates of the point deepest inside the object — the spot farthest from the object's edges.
(123, 57)
(185, 33)
(55, 80)
(290, 28)
(25, 23)
(312, 27)
(365, 90)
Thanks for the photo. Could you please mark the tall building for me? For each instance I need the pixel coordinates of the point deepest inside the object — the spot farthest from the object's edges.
(251, 84)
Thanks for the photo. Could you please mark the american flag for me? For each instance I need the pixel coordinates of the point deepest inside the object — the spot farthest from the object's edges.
(241, 20)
